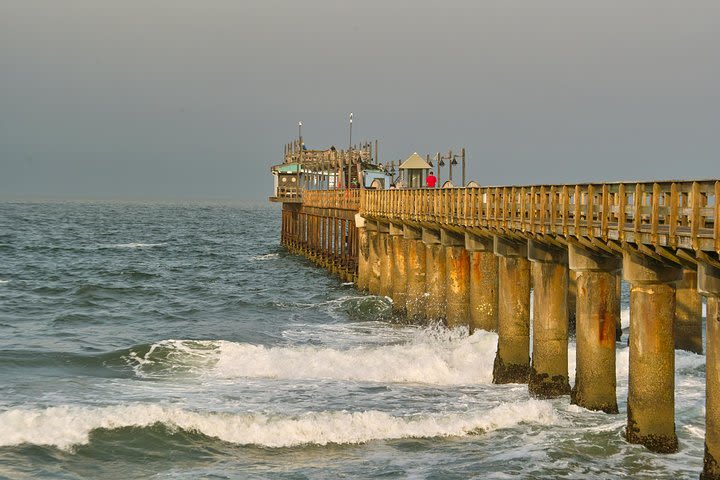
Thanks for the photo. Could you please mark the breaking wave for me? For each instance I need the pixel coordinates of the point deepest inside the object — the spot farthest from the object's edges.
(65, 427)
(431, 357)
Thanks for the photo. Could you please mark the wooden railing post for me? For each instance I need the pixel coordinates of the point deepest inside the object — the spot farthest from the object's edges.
(655, 214)
(716, 218)
(695, 219)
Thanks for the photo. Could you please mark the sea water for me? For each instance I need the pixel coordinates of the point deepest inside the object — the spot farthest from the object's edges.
(182, 341)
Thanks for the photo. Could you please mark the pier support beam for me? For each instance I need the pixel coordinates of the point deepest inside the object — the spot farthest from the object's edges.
(512, 361)
(415, 303)
(399, 269)
(618, 306)
(598, 312)
(549, 371)
(709, 285)
(385, 252)
(651, 386)
(688, 314)
(571, 299)
(483, 283)
(435, 276)
(457, 263)
(373, 258)
(363, 275)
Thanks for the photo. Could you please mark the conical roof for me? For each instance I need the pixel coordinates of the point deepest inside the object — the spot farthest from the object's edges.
(415, 161)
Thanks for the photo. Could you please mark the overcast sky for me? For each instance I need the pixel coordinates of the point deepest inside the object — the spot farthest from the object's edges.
(180, 99)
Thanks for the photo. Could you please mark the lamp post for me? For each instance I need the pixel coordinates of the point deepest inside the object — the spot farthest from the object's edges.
(349, 152)
(441, 163)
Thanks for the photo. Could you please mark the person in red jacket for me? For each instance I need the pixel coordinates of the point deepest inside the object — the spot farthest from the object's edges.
(431, 180)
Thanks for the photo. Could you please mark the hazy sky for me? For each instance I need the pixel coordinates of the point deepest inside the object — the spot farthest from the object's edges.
(182, 99)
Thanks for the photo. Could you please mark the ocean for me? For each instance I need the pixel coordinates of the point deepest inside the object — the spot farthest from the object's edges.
(181, 341)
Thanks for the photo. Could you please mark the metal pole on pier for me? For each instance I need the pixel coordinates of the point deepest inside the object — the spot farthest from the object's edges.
(349, 152)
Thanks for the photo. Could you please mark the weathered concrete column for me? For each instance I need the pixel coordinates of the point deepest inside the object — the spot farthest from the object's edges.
(618, 305)
(598, 311)
(688, 314)
(399, 269)
(709, 284)
(435, 276)
(651, 385)
(549, 371)
(571, 299)
(385, 253)
(363, 277)
(415, 301)
(483, 283)
(373, 258)
(512, 361)
(457, 263)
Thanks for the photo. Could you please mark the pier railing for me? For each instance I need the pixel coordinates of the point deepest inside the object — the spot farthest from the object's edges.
(342, 199)
(670, 214)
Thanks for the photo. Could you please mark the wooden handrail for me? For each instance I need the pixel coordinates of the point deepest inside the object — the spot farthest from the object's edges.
(672, 214)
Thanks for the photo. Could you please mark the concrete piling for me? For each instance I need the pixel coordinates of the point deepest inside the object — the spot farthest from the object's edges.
(549, 370)
(435, 276)
(363, 260)
(386, 264)
(483, 283)
(512, 361)
(651, 386)
(399, 275)
(415, 301)
(709, 284)
(598, 311)
(617, 305)
(374, 260)
(571, 300)
(457, 264)
(688, 314)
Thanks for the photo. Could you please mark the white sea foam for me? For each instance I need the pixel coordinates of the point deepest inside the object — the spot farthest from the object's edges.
(625, 318)
(136, 245)
(2, 282)
(431, 356)
(450, 359)
(171, 357)
(65, 427)
(267, 256)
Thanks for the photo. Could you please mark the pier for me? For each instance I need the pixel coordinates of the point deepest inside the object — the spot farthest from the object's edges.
(472, 257)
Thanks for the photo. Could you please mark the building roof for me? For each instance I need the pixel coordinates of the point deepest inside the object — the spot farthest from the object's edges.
(286, 168)
(414, 161)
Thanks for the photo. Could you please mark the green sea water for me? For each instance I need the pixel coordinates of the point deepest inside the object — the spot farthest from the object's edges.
(181, 341)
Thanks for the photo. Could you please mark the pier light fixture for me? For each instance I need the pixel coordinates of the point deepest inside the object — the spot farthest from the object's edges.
(348, 184)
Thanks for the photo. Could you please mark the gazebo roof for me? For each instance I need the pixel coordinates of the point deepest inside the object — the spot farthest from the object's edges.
(415, 161)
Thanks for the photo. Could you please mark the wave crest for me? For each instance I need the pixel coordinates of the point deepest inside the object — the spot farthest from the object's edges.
(438, 357)
(66, 427)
